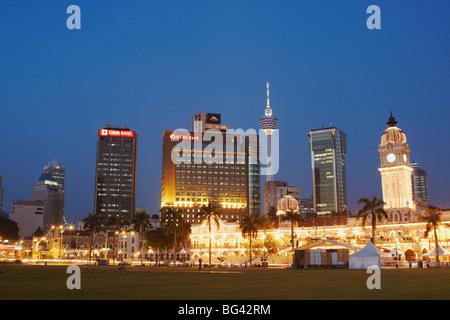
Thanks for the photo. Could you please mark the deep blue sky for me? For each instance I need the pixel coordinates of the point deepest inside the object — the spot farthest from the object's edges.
(151, 65)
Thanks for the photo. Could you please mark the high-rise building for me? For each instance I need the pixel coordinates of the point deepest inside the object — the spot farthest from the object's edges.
(395, 168)
(328, 147)
(419, 185)
(1, 194)
(273, 191)
(115, 174)
(46, 190)
(58, 172)
(204, 166)
(269, 123)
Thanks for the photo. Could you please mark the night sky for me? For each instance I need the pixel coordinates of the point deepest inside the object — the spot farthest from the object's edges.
(151, 65)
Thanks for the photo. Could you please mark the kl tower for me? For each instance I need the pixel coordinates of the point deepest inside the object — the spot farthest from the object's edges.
(269, 123)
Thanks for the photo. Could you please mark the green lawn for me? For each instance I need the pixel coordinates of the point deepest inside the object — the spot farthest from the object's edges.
(49, 282)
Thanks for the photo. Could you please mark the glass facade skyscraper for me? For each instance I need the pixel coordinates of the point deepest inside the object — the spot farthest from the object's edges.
(46, 190)
(115, 179)
(328, 147)
(419, 181)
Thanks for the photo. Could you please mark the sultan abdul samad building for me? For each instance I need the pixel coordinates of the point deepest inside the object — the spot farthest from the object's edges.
(402, 233)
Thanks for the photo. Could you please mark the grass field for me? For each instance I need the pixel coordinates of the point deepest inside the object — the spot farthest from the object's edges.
(108, 283)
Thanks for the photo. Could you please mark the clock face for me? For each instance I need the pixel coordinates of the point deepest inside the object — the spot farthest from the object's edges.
(390, 157)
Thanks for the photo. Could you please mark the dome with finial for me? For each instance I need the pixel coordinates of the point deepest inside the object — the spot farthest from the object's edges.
(287, 203)
(393, 135)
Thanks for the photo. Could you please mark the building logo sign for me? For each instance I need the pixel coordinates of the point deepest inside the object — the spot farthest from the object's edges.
(213, 118)
(116, 133)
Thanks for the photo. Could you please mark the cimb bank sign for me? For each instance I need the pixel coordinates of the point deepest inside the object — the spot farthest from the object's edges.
(213, 146)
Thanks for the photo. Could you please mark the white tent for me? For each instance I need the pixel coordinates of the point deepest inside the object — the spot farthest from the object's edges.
(442, 252)
(367, 256)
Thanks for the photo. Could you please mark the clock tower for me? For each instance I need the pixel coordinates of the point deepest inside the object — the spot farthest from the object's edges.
(395, 168)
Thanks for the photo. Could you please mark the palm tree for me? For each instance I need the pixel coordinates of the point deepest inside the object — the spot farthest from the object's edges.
(209, 213)
(266, 223)
(141, 222)
(115, 223)
(433, 218)
(374, 209)
(173, 222)
(273, 217)
(293, 217)
(92, 223)
(249, 225)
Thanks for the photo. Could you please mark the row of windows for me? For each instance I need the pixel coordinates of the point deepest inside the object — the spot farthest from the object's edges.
(210, 171)
(210, 178)
(210, 200)
(204, 194)
(209, 189)
(221, 183)
(198, 166)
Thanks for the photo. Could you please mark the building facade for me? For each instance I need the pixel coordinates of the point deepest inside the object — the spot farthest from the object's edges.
(395, 168)
(115, 174)
(46, 190)
(419, 181)
(204, 166)
(328, 147)
(58, 172)
(29, 216)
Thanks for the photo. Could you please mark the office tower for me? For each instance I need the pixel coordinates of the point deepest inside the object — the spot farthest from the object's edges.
(395, 168)
(328, 147)
(273, 191)
(419, 185)
(204, 166)
(58, 172)
(269, 123)
(1, 194)
(115, 174)
(46, 190)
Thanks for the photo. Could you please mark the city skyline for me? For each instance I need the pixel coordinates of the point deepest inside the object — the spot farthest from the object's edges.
(153, 74)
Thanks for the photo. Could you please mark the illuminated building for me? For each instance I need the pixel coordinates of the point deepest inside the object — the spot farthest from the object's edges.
(419, 185)
(395, 168)
(269, 123)
(46, 190)
(328, 147)
(193, 175)
(402, 234)
(58, 172)
(115, 178)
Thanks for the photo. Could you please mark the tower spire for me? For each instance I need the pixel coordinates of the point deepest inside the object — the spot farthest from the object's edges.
(268, 110)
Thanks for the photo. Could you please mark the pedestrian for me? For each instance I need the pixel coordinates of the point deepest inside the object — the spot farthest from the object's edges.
(200, 264)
